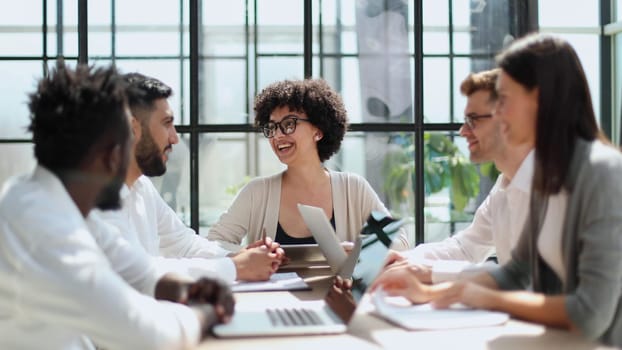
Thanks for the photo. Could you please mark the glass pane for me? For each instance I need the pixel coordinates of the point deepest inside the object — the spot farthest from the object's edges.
(452, 185)
(436, 41)
(436, 90)
(435, 13)
(339, 26)
(169, 72)
(343, 76)
(144, 42)
(223, 91)
(20, 28)
(100, 37)
(220, 40)
(588, 50)
(480, 27)
(26, 12)
(17, 158)
(174, 185)
(462, 68)
(224, 28)
(100, 44)
(154, 32)
(223, 13)
(584, 13)
(271, 69)
(23, 76)
(618, 9)
(69, 44)
(279, 33)
(15, 42)
(386, 161)
(218, 188)
(99, 13)
(147, 12)
(462, 10)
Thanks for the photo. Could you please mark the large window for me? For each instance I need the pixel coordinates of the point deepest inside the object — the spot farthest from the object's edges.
(397, 63)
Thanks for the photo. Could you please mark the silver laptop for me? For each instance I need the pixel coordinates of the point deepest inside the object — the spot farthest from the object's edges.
(328, 316)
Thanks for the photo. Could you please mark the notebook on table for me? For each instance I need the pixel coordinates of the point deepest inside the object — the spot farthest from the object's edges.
(328, 316)
(400, 312)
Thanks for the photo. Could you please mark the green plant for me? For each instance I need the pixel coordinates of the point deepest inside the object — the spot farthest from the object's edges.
(444, 166)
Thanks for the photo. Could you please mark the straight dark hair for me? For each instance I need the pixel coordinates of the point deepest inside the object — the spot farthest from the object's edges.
(565, 110)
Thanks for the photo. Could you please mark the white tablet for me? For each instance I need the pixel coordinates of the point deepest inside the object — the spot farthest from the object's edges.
(324, 235)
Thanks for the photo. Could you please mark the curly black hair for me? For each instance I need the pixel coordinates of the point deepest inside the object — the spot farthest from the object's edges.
(73, 111)
(314, 97)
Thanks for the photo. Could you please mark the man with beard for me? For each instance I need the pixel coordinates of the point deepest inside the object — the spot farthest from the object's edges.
(147, 221)
(66, 287)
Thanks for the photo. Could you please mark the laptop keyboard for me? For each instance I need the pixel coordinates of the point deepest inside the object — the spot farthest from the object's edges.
(293, 317)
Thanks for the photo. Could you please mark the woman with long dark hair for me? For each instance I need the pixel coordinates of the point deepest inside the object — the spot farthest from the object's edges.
(569, 258)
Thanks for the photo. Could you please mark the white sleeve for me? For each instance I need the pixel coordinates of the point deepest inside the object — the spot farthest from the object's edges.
(195, 268)
(131, 262)
(474, 244)
(178, 240)
(65, 280)
(234, 224)
(451, 256)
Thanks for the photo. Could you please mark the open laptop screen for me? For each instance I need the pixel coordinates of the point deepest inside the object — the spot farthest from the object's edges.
(373, 248)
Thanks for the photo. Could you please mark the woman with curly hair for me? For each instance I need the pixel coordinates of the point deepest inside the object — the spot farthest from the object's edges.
(304, 121)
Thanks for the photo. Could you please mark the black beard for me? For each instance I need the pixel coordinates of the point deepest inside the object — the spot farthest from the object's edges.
(151, 164)
(148, 157)
(110, 198)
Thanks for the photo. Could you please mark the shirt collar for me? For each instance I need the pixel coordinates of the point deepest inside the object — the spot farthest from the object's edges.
(136, 186)
(55, 186)
(523, 177)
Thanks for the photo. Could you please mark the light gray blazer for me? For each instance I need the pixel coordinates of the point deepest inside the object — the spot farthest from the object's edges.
(591, 245)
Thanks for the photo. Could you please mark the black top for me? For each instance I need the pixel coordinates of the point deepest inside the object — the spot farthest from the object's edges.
(283, 238)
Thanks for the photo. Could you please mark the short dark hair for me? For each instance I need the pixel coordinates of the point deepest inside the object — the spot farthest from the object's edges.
(481, 81)
(143, 91)
(322, 105)
(565, 110)
(74, 110)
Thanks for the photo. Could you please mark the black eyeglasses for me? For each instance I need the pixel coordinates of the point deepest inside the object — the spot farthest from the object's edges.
(287, 126)
(471, 119)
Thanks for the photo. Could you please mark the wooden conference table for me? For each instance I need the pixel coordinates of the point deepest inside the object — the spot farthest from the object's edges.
(369, 332)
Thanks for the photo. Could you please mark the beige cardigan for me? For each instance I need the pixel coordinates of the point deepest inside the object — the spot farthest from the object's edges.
(257, 206)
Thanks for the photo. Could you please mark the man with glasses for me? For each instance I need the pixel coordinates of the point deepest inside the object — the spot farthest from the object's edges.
(145, 218)
(498, 221)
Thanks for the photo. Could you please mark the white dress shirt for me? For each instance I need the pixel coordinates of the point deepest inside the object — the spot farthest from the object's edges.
(63, 287)
(147, 222)
(496, 227)
(550, 238)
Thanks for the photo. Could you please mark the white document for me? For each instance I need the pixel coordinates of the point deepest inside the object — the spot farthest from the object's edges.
(278, 281)
(424, 317)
